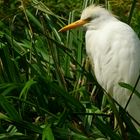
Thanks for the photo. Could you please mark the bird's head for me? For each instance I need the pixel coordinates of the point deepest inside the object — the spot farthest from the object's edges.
(91, 16)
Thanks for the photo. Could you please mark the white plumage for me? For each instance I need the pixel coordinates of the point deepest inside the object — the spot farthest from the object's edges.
(114, 50)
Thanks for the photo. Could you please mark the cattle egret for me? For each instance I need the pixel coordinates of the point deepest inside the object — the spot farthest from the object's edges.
(114, 50)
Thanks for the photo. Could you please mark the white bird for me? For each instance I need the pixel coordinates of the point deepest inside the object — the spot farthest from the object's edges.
(114, 50)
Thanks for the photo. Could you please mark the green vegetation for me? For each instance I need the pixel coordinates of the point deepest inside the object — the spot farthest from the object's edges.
(47, 88)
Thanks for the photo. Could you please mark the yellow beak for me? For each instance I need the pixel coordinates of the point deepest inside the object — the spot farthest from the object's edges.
(73, 25)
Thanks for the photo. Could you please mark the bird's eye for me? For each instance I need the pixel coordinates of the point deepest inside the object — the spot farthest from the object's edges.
(89, 19)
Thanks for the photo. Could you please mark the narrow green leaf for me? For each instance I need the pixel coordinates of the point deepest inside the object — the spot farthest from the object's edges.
(34, 19)
(28, 126)
(47, 133)
(105, 129)
(4, 117)
(9, 108)
(69, 99)
(129, 87)
(26, 88)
